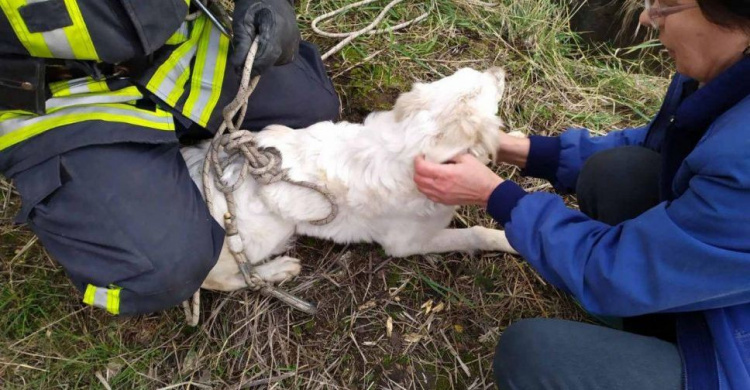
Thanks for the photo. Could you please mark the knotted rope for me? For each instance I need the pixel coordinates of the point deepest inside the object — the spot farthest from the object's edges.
(264, 165)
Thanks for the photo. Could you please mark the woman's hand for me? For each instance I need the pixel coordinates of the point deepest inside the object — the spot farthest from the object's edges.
(464, 180)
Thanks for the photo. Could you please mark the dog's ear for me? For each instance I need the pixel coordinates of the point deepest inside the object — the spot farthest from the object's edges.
(411, 102)
(463, 128)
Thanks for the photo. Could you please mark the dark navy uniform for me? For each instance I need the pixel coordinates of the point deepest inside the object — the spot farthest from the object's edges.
(102, 182)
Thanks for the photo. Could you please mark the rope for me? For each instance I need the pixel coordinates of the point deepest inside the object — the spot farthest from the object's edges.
(262, 164)
(369, 29)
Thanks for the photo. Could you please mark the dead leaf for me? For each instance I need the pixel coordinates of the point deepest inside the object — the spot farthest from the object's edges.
(113, 368)
(412, 337)
(427, 306)
(389, 326)
(367, 305)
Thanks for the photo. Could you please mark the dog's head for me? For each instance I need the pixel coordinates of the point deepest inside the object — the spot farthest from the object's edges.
(464, 109)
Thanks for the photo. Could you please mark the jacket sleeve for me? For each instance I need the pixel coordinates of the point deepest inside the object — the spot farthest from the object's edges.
(107, 31)
(559, 159)
(687, 255)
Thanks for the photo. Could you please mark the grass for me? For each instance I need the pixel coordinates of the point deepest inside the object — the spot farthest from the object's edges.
(445, 312)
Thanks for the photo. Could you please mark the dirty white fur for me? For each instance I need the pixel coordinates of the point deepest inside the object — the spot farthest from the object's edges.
(369, 169)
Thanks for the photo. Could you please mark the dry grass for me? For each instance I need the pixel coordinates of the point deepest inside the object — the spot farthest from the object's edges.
(419, 322)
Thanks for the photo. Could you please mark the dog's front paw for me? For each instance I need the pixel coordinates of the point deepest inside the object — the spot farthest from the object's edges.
(279, 269)
(517, 134)
(493, 240)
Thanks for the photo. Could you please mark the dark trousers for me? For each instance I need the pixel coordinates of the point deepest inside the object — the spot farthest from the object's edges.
(613, 186)
(129, 215)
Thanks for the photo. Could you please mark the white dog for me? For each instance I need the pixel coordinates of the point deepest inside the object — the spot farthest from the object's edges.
(368, 168)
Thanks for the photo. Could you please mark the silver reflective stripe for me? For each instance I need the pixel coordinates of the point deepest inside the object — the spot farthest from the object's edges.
(56, 40)
(68, 101)
(81, 85)
(58, 44)
(11, 125)
(100, 298)
(206, 86)
(170, 81)
(183, 30)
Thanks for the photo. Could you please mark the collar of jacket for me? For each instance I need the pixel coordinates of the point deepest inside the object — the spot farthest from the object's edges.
(702, 107)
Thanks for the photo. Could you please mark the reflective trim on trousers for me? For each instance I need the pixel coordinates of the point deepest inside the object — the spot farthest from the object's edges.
(103, 298)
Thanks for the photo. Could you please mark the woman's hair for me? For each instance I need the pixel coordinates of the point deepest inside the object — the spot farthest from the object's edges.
(733, 14)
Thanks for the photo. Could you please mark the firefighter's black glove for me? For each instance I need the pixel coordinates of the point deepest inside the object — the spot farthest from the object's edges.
(275, 25)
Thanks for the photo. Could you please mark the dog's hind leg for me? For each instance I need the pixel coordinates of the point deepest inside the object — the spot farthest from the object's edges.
(279, 269)
(452, 240)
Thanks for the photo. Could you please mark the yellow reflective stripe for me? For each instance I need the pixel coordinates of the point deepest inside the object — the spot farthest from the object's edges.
(197, 79)
(33, 42)
(98, 86)
(113, 300)
(78, 34)
(161, 83)
(78, 86)
(119, 96)
(221, 64)
(10, 114)
(179, 87)
(208, 74)
(72, 42)
(60, 88)
(16, 130)
(181, 35)
(103, 298)
(88, 296)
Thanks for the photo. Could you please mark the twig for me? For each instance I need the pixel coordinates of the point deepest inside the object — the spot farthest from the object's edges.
(176, 385)
(25, 248)
(455, 354)
(364, 61)
(47, 326)
(22, 366)
(267, 381)
(99, 376)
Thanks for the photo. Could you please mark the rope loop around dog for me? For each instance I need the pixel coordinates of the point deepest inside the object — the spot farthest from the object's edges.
(264, 164)
(230, 143)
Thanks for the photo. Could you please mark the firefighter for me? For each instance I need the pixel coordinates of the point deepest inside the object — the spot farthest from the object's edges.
(95, 97)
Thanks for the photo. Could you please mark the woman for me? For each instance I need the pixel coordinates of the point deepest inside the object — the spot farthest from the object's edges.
(664, 227)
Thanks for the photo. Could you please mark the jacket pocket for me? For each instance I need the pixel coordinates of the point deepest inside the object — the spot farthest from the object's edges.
(155, 21)
(45, 16)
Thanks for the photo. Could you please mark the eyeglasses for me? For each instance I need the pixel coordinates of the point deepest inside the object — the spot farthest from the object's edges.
(656, 11)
